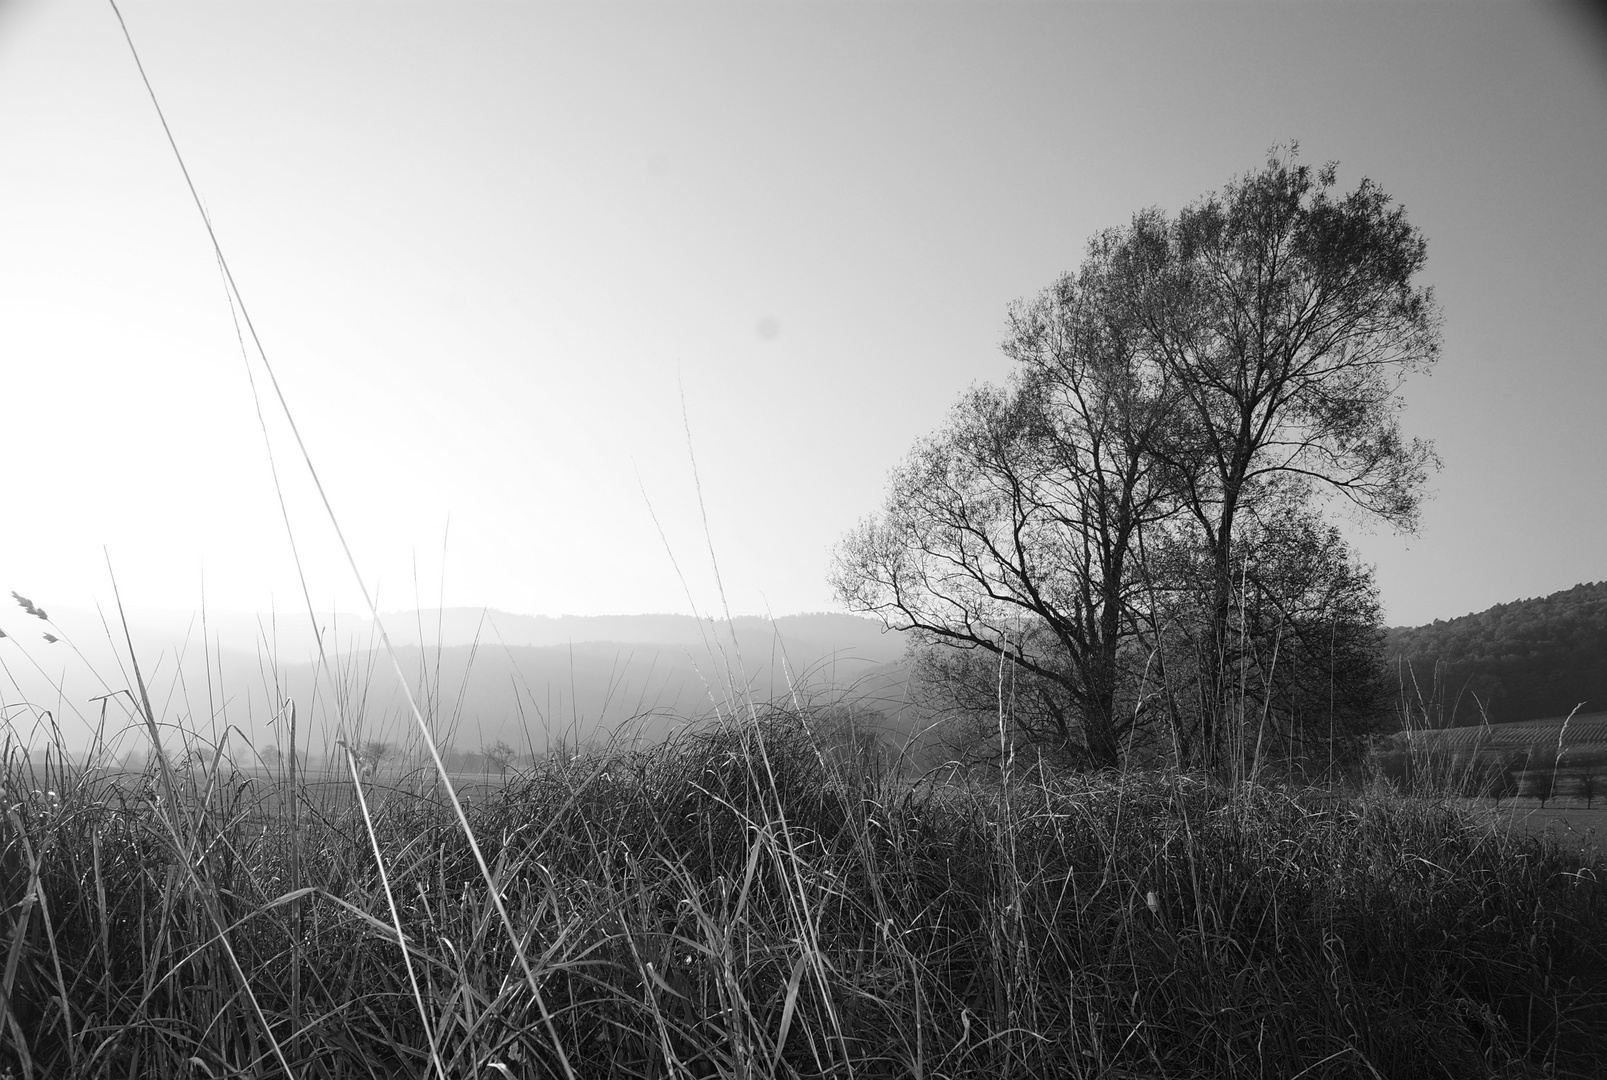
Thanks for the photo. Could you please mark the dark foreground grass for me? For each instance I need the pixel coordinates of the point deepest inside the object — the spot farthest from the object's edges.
(741, 903)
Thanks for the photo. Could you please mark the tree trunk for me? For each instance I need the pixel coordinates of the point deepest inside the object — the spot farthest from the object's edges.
(1218, 705)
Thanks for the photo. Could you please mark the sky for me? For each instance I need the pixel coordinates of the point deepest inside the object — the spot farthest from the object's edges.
(573, 303)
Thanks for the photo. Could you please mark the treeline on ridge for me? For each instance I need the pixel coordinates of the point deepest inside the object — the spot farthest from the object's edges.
(1524, 660)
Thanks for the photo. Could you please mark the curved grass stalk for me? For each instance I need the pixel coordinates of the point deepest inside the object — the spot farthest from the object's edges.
(390, 652)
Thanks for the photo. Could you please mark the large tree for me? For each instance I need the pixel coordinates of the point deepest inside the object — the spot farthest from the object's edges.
(1199, 379)
(1285, 316)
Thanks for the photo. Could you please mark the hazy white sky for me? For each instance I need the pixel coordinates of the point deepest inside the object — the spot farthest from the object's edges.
(487, 247)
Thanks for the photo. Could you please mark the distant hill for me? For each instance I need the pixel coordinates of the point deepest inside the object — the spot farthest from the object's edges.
(1525, 660)
(817, 634)
(540, 697)
(479, 675)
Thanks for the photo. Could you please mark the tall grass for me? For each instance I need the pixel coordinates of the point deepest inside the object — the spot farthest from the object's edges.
(1432, 757)
(751, 900)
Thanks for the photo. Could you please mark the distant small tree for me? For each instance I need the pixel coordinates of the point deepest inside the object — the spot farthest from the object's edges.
(499, 755)
(1589, 785)
(373, 755)
(1504, 779)
(1540, 775)
(272, 758)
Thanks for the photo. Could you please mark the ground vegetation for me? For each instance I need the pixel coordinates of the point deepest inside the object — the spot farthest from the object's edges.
(748, 899)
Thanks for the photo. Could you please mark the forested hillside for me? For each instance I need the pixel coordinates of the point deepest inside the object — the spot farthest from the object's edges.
(1520, 661)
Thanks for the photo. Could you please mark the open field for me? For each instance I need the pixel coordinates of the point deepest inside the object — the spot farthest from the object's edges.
(1582, 730)
(741, 902)
(1532, 765)
(1569, 822)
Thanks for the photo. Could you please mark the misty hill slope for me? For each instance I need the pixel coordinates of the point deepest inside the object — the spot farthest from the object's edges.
(539, 697)
(1523, 660)
(290, 635)
(479, 675)
(464, 626)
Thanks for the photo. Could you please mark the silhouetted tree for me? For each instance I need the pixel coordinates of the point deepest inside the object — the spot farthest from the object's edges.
(1011, 535)
(1305, 651)
(1286, 318)
(1539, 774)
(373, 755)
(1507, 778)
(1589, 785)
(1197, 385)
(499, 755)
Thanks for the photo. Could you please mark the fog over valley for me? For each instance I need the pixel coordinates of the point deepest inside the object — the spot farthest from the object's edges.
(478, 675)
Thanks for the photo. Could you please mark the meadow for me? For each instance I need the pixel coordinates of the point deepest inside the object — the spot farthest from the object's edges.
(1558, 763)
(751, 899)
